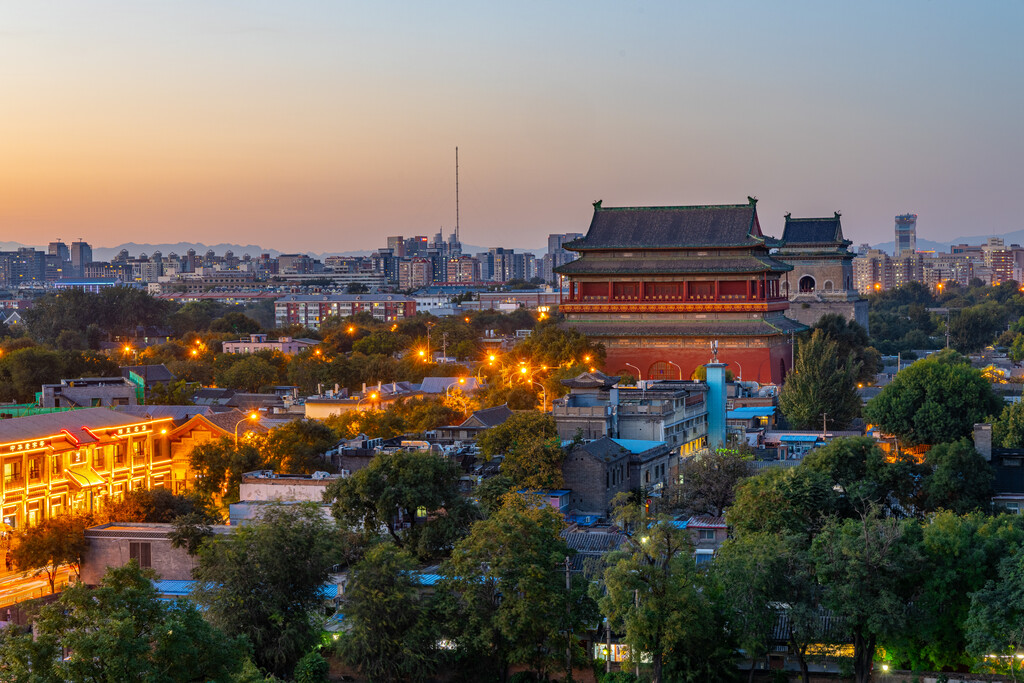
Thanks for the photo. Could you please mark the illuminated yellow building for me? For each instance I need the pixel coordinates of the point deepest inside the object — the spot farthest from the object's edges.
(72, 461)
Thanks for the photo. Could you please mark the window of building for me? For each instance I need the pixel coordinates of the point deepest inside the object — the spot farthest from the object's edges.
(55, 466)
(704, 557)
(12, 472)
(137, 446)
(95, 403)
(98, 459)
(35, 466)
(141, 553)
(1012, 508)
(706, 534)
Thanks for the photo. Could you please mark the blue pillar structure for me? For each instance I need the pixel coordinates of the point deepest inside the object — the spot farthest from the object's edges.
(716, 405)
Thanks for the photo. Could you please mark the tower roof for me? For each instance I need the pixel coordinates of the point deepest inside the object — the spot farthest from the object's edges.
(672, 227)
(806, 231)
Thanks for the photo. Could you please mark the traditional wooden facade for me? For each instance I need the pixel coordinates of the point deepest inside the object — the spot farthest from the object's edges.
(658, 285)
(72, 461)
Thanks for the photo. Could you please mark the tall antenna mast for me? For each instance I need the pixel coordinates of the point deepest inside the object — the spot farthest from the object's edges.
(457, 194)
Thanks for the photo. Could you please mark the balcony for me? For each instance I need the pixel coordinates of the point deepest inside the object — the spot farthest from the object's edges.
(14, 482)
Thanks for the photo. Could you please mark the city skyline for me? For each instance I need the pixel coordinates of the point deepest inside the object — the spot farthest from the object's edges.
(324, 128)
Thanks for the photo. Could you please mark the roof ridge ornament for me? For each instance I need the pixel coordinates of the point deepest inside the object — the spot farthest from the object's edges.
(597, 204)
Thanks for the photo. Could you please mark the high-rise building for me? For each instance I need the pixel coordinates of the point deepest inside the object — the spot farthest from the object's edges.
(906, 233)
(557, 256)
(81, 255)
(60, 250)
(397, 246)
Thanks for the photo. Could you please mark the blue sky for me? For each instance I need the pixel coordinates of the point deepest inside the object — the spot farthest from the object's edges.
(326, 126)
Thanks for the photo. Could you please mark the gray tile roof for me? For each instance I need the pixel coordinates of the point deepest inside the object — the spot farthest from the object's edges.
(39, 426)
(488, 417)
(591, 380)
(672, 227)
(604, 449)
(800, 231)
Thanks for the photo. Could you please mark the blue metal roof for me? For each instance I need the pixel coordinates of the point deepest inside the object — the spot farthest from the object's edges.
(181, 588)
(429, 579)
(637, 445)
(749, 412)
(799, 437)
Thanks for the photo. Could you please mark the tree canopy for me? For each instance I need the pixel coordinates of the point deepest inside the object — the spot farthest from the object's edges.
(413, 496)
(264, 581)
(120, 631)
(935, 400)
(531, 448)
(822, 385)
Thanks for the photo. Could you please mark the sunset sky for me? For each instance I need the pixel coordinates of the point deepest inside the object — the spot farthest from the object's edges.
(327, 125)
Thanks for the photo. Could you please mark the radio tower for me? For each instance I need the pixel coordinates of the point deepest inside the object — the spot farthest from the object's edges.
(457, 195)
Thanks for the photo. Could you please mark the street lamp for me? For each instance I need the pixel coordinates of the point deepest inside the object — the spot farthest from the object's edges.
(251, 416)
(677, 368)
(739, 377)
(462, 380)
(544, 396)
(639, 375)
(372, 397)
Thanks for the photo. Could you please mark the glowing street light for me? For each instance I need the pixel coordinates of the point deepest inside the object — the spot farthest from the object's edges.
(372, 397)
(253, 417)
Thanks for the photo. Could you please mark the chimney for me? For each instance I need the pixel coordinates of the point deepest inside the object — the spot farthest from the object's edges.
(983, 440)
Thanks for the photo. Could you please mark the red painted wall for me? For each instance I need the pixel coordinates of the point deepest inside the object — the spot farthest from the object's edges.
(763, 365)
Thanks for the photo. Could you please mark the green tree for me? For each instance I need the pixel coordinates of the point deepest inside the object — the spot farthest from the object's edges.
(864, 475)
(120, 631)
(298, 447)
(531, 448)
(264, 581)
(177, 393)
(391, 636)
(869, 569)
(52, 543)
(707, 483)
(962, 554)
(823, 383)
(154, 506)
(654, 593)
(995, 623)
(413, 496)
(382, 343)
(935, 400)
(219, 465)
(235, 322)
(1008, 428)
(959, 479)
(251, 374)
(974, 328)
(796, 500)
(753, 571)
(506, 591)
(853, 342)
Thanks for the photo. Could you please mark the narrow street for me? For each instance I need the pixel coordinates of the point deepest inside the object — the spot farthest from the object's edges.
(17, 587)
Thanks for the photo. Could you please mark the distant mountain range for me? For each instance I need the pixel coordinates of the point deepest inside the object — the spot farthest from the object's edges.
(1015, 237)
(107, 253)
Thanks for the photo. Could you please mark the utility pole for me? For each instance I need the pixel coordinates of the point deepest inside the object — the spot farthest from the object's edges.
(636, 603)
(568, 620)
(824, 425)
